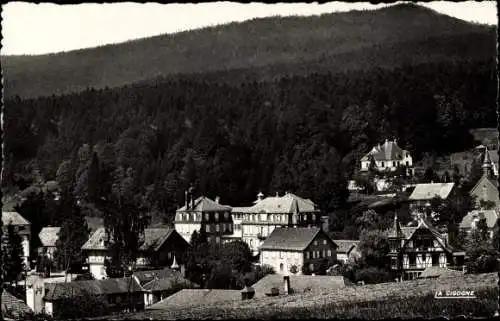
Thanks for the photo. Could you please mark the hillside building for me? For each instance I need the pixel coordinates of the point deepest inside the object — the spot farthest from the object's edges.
(48, 237)
(23, 228)
(387, 157)
(260, 220)
(203, 213)
(159, 248)
(486, 189)
(307, 248)
(472, 219)
(424, 193)
(347, 250)
(413, 249)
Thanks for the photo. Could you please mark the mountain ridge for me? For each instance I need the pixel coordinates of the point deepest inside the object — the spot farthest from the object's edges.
(256, 43)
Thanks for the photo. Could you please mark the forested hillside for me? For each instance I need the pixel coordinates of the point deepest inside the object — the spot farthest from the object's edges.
(302, 133)
(260, 49)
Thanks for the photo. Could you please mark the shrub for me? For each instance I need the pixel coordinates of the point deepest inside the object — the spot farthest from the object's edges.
(371, 275)
(87, 305)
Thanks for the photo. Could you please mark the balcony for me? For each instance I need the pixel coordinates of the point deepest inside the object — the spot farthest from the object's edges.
(423, 249)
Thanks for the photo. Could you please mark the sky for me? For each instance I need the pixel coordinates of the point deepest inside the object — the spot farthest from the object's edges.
(48, 28)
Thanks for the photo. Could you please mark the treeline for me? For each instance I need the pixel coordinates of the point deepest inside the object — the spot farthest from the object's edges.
(303, 134)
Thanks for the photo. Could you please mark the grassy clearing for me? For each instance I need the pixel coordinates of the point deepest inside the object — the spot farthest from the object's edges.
(411, 299)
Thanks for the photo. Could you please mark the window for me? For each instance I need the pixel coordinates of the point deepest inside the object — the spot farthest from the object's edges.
(21, 228)
(324, 253)
(217, 228)
(329, 252)
(207, 228)
(216, 216)
(281, 267)
(318, 253)
(281, 254)
(217, 240)
(207, 217)
(314, 217)
(226, 215)
(230, 227)
(311, 267)
(324, 242)
(307, 255)
(407, 163)
(394, 164)
(382, 164)
(315, 242)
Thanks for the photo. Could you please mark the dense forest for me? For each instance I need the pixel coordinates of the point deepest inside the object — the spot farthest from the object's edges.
(301, 133)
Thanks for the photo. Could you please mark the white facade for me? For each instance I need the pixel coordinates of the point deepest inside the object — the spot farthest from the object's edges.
(281, 261)
(48, 308)
(186, 229)
(96, 265)
(387, 157)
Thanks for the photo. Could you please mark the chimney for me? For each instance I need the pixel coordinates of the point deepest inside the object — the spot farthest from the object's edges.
(217, 199)
(286, 284)
(260, 196)
(187, 200)
(247, 293)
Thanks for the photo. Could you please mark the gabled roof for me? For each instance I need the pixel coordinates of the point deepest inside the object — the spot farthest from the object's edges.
(299, 283)
(426, 225)
(168, 283)
(288, 203)
(485, 179)
(49, 235)
(387, 151)
(204, 204)
(13, 218)
(153, 239)
(441, 272)
(148, 276)
(291, 238)
(430, 190)
(491, 217)
(75, 289)
(193, 297)
(13, 307)
(345, 246)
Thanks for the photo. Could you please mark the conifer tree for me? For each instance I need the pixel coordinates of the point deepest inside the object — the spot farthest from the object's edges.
(12, 255)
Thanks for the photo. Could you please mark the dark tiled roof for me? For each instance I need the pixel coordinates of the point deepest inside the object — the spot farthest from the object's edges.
(153, 239)
(289, 238)
(204, 204)
(147, 276)
(13, 218)
(299, 283)
(49, 235)
(345, 246)
(387, 151)
(193, 297)
(168, 283)
(13, 307)
(58, 291)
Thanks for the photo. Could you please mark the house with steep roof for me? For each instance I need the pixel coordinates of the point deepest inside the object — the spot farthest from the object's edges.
(48, 237)
(413, 249)
(23, 228)
(347, 249)
(203, 213)
(159, 248)
(387, 157)
(120, 294)
(423, 194)
(486, 189)
(259, 220)
(14, 308)
(471, 220)
(309, 249)
(159, 284)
